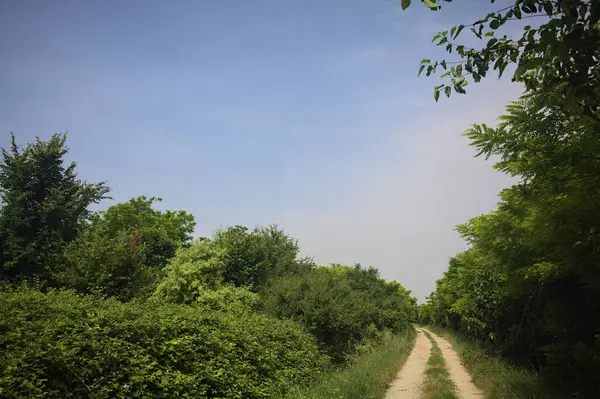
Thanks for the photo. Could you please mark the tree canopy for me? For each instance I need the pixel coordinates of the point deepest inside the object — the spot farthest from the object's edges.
(44, 206)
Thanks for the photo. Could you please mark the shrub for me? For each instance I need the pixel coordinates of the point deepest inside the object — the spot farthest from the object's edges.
(192, 271)
(229, 298)
(335, 309)
(121, 251)
(367, 376)
(106, 265)
(59, 344)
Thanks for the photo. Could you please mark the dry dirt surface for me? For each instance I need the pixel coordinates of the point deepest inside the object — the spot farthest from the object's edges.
(409, 380)
(465, 389)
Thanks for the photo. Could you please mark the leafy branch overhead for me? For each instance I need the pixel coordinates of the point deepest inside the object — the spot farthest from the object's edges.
(561, 54)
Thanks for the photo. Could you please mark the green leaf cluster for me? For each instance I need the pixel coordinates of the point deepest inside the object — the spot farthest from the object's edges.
(560, 54)
(342, 306)
(121, 251)
(60, 344)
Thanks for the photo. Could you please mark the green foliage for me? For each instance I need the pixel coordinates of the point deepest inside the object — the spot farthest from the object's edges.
(253, 257)
(367, 376)
(122, 250)
(59, 344)
(43, 207)
(561, 55)
(132, 307)
(159, 233)
(233, 256)
(530, 280)
(342, 307)
(498, 378)
(107, 265)
(193, 270)
(230, 299)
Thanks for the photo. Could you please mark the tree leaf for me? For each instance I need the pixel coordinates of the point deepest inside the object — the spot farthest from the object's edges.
(460, 28)
(405, 4)
(430, 4)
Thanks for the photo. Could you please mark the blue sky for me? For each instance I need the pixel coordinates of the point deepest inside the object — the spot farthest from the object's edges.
(307, 114)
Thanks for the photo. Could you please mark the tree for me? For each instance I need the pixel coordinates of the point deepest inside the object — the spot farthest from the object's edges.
(232, 257)
(159, 233)
(251, 258)
(123, 249)
(43, 207)
(326, 305)
(531, 278)
(561, 55)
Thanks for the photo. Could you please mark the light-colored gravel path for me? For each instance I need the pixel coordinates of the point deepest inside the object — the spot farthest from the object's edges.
(459, 375)
(409, 380)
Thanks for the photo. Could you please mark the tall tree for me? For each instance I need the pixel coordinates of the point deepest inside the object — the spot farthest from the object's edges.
(43, 206)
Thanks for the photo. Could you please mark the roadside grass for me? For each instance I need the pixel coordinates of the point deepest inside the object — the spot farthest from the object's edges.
(498, 378)
(438, 384)
(366, 377)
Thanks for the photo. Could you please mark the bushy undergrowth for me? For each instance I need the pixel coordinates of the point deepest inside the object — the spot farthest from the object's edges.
(496, 376)
(59, 344)
(367, 376)
(343, 307)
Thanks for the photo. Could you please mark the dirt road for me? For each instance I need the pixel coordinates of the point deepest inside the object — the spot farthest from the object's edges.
(409, 381)
(465, 388)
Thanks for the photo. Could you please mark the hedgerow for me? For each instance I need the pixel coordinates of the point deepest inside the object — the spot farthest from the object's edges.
(59, 344)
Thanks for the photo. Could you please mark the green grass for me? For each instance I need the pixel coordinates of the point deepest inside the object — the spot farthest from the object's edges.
(438, 384)
(367, 377)
(496, 376)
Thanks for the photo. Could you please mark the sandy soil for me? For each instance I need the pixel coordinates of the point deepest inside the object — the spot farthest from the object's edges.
(459, 375)
(409, 380)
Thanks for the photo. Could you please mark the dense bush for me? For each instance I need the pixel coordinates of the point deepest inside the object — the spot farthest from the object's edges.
(333, 307)
(193, 270)
(121, 251)
(250, 258)
(59, 344)
(230, 299)
(233, 256)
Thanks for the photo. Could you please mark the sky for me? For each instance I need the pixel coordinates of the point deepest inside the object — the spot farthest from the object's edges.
(307, 114)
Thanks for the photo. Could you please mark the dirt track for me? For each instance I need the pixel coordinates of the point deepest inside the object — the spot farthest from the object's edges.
(409, 381)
